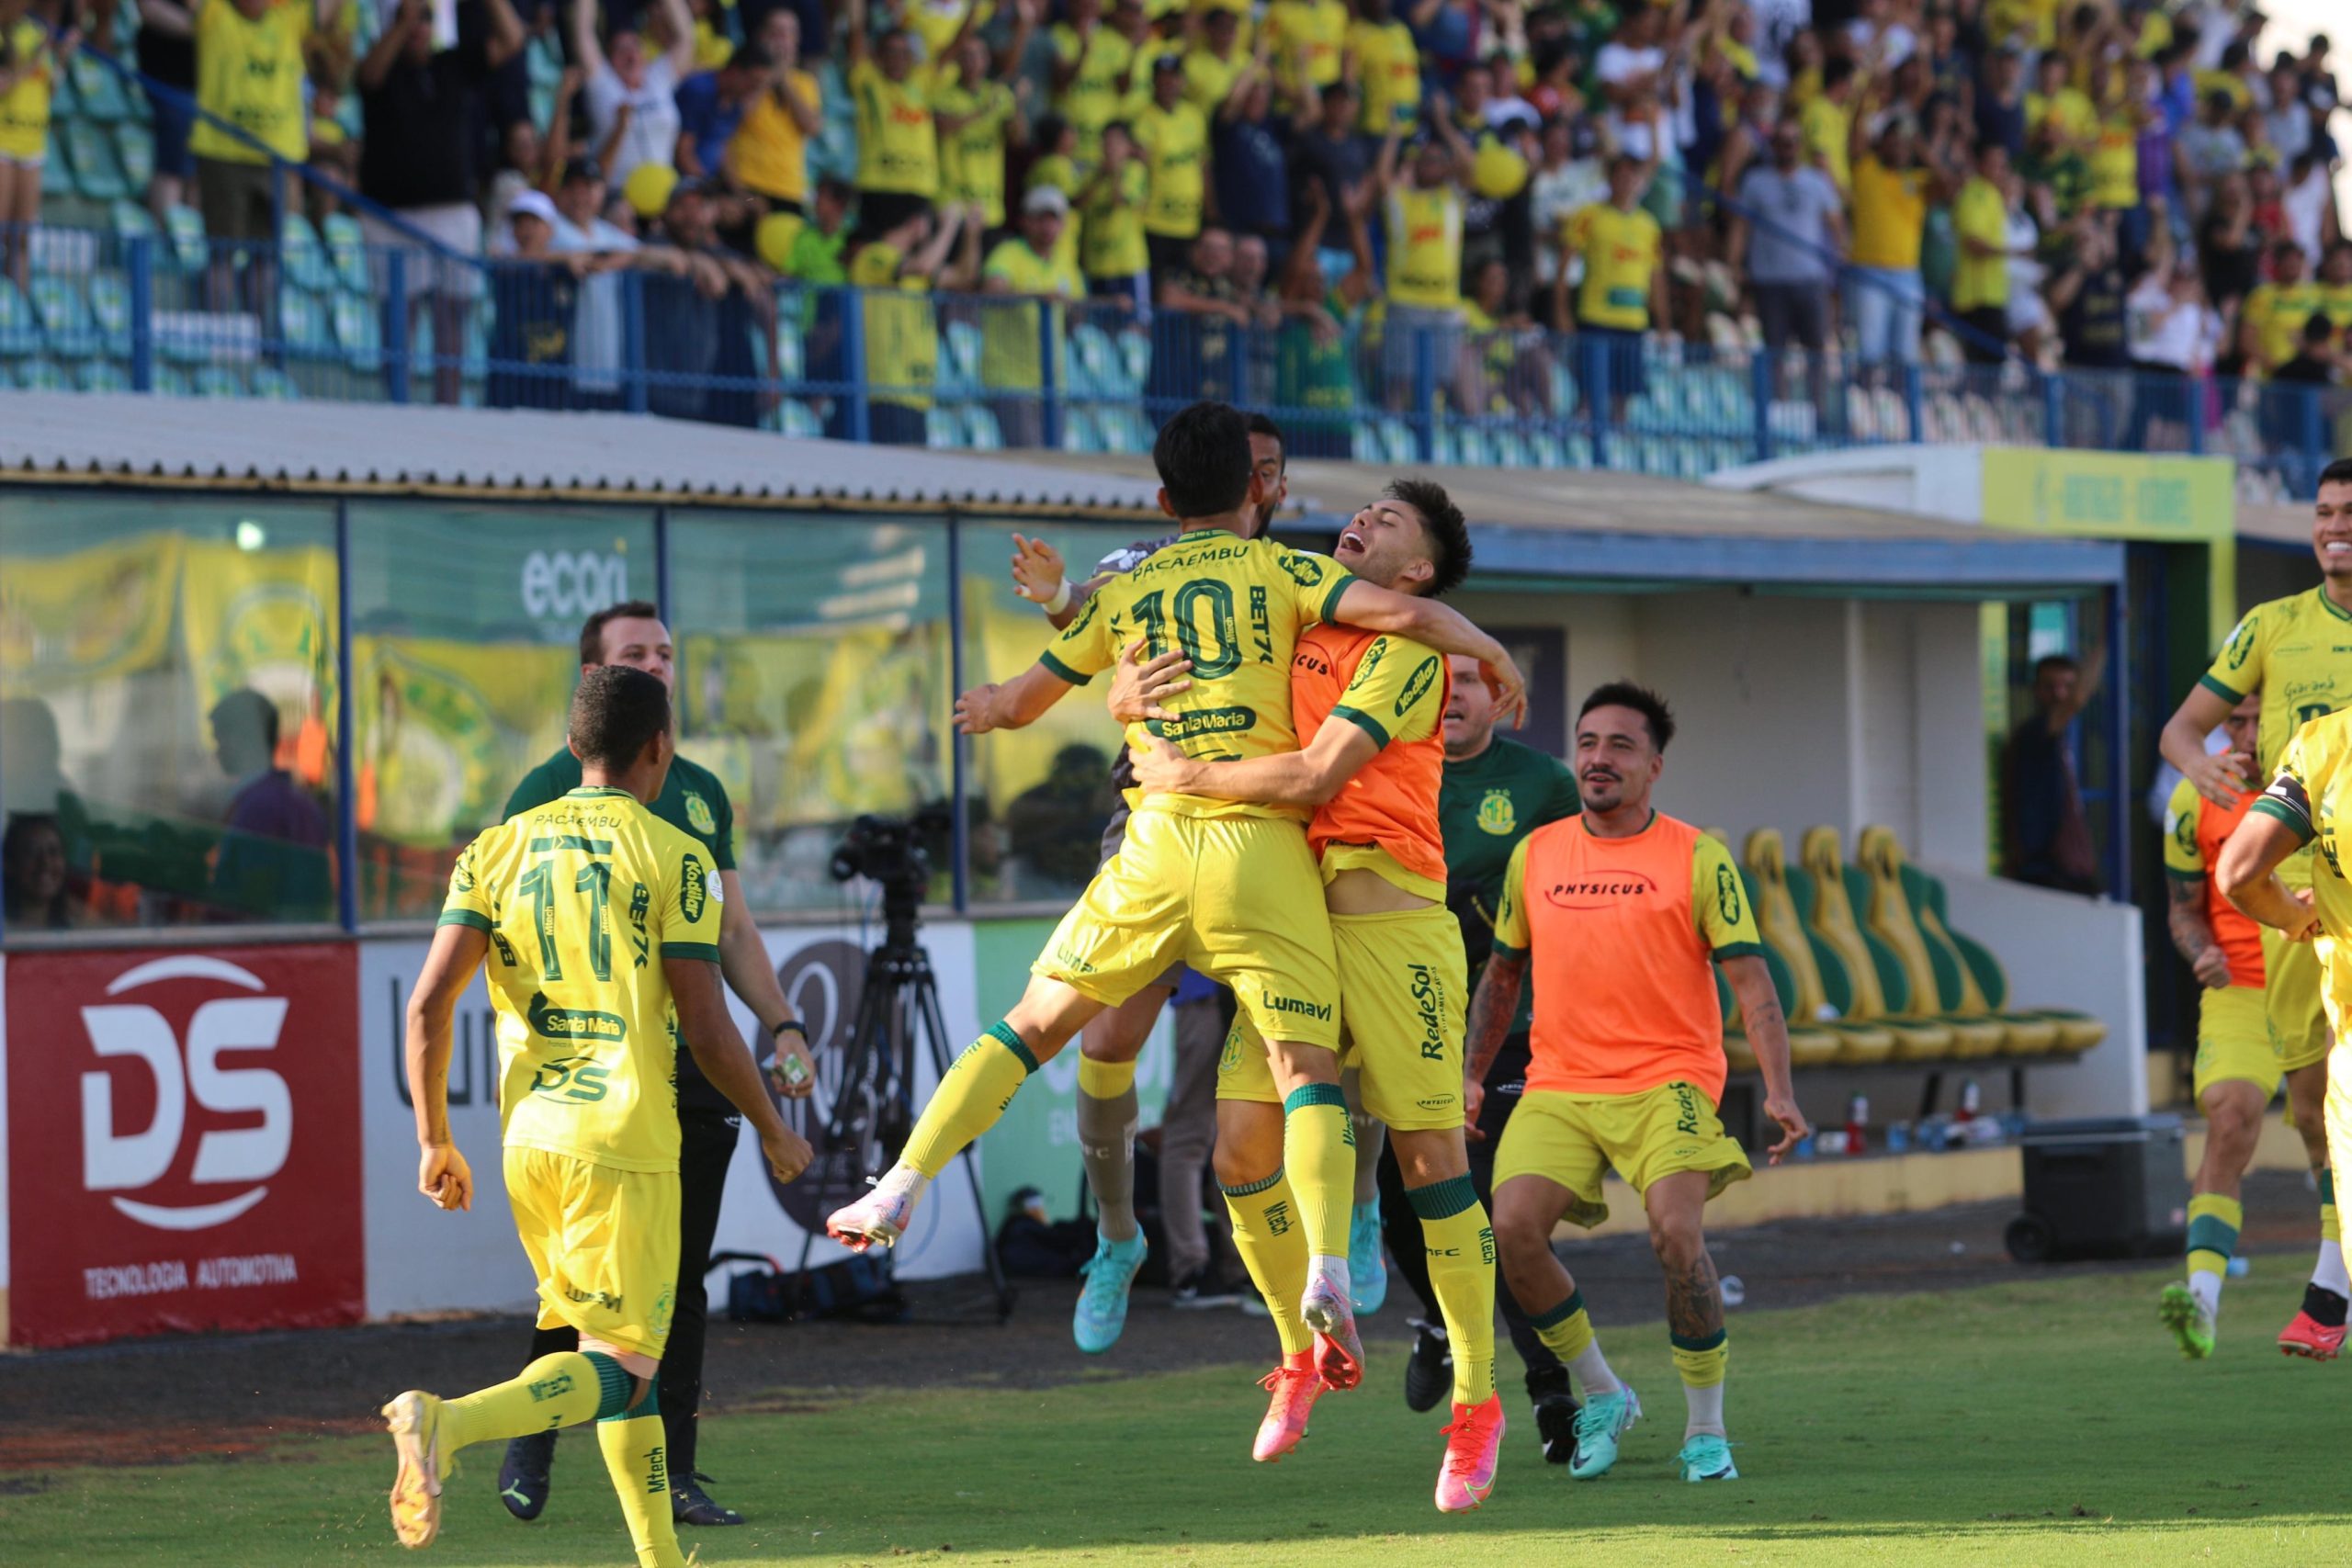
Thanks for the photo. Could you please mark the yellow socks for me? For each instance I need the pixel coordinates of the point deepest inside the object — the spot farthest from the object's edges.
(561, 1389)
(1273, 1244)
(637, 1457)
(969, 1098)
(1461, 1246)
(1567, 1329)
(1106, 1143)
(1700, 1362)
(1320, 1154)
(2213, 1223)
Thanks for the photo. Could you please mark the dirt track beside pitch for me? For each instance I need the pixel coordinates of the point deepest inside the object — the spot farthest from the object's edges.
(161, 1401)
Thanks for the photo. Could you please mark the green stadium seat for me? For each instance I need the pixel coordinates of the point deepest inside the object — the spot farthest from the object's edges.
(1093, 363)
(1078, 433)
(191, 251)
(102, 375)
(941, 428)
(64, 103)
(1470, 447)
(798, 419)
(1124, 428)
(97, 174)
(1135, 353)
(129, 219)
(346, 247)
(20, 327)
(1396, 440)
(43, 376)
(302, 321)
(218, 382)
(358, 332)
(305, 257)
(65, 323)
(791, 353)
(983, 433)
(134, 147)
(1508, 448)
(1363, 443)
(272, 385)
(172, 382)
(110, 309)
(959, 363)
(99, 91)
(57, 181)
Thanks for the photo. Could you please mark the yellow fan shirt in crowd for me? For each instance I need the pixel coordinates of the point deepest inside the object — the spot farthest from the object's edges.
(1175, 152)
(971, 157)
(1008, 336)
(2077, 121)
(24, 107)
(1090, 101)
(935, 23)
(902, 333)
(250, 74)
(898, 143)
(1309, 36)
(1983, 215)
(1889, 215)
(1828, 127)
(2336, 298)
(1208, 79)
(1113, 242)
(1388, 68)
(1425, 247)
(2115, 163)
(770, 154)
(1622, 252)
(2277, 313)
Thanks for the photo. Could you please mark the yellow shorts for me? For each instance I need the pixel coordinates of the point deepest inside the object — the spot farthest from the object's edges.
(2233, 1040)
(1573, 1139)
(603, 1243)
(2298, 1023)
(1236, 898)
(1405, 981)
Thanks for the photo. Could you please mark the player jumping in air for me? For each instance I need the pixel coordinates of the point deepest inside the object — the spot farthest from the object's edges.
(1229, 888)
(2238, 1058)
(2292, 651)
(1367, 708)
(1616, 913)
(600, 922)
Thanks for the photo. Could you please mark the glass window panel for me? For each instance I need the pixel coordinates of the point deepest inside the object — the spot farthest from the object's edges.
(814, 680)
(1039, 797)
(465, 648)
(167, 711)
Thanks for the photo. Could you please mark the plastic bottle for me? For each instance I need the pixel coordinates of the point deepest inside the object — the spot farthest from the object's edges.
(1971, 1101)
(1858, 1121)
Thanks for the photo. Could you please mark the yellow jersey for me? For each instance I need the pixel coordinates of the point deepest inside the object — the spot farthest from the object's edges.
(1090, 101)
(2336, 298)
(2277, 313)
(1009, 334)
(1889, 215)
(1827, 129)
(1208, 79)
(1175, 159)
(2115, 163)
(250, 74)
(937, 22)
(1981, 214)
(1425, 247)
(902, 333)
(2307, 795)
(1308, 38)
(1235, 607)
(1113, 243)
(1622, 252)
(2077, 121)
(897, 144)
(2295, 652)
(770, 151)
(582, 898)
(24, 107)
(971, 157)
(1389, 67)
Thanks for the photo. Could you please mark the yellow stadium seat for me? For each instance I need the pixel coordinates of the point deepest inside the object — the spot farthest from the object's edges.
(1887, 908)
(2074, 1031)
(1882, 992)
(1960, 996)
(1823, 995)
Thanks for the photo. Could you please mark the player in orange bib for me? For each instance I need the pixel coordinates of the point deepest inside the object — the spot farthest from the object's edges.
(2239, 1061)
(1617, 913)
(1368, 710)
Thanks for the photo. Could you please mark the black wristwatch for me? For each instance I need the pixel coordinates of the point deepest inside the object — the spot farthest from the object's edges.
(792, 1024)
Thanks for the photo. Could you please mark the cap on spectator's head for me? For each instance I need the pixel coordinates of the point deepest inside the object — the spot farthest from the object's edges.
(531, 204)
(582, 169)
(688, 184)
(1045, 198)
(1584, 139)
(1170, 63)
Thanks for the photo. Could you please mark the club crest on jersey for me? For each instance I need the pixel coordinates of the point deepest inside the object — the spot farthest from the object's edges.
(698, 815)
(2241, 643)
(1497, 815)
(692, 890)
(1304, 571)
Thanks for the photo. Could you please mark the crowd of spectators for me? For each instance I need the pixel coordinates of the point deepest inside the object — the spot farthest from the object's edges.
(1301, 197)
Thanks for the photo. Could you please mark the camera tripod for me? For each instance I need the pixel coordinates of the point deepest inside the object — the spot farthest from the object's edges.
(873, 1103)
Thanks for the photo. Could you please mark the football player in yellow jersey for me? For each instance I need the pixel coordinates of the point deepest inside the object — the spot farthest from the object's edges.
(600, 921)
(2297, 651)
(1230, 890)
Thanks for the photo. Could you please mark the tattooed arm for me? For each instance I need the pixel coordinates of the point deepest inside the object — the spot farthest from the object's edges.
(2192, 934)
(1492, 1007)
(1768, 1032)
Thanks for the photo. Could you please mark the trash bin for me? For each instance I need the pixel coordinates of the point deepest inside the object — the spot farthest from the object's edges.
(2102, 1187)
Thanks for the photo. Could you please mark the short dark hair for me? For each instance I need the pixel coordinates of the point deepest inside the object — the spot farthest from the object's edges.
(2319, 328)
(1641, 700)
(2050, 661)
(1262, 424)
(1444, 528)
(1837, 70)
(2339, 472)
(615, 712)
(1202, 455)
(246, 704)
(591, 630)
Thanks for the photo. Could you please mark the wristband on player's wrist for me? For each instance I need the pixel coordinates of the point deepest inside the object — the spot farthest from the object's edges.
(1059, 602)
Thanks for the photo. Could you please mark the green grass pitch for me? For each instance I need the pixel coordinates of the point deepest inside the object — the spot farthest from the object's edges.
(2040, 1422)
